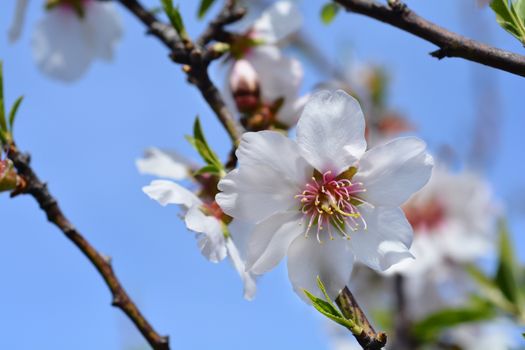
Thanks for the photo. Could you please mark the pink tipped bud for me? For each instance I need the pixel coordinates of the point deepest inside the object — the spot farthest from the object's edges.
(244, 84)
(8, 176)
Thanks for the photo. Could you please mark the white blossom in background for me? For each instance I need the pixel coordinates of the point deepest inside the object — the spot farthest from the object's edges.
(65, 42)
(200, 216)
(453, 218)
(276, 78)
(324, 200)
(499, 334)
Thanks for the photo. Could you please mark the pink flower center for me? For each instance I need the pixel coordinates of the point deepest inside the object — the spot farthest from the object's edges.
(425, 217)
(330, 202)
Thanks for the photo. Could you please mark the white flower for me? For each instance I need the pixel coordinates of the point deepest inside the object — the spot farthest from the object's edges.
(453, 219)
(277, 23)
(279, 76)
(306, 195)
(495, 335)
(64, 43)
(165, 164)
(203, 218)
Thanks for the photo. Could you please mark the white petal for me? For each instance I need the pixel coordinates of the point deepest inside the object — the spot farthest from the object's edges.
(277, 22)
(270, 240)
(163, 164)
(211, 239)
(18, 20)
(167, 192)
(386, 241)
(58, 45)
(103, 28)
(332, 261)
(279, 77)
(290, 112)
(331, 131)
(241, 232)
(271, 172)
(392, 172)
(250, 286)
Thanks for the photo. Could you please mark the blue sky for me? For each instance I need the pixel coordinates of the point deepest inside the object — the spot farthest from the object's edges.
(85, 137)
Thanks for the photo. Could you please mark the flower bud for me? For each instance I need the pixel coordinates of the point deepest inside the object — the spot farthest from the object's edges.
(244, 85)
(8, 176)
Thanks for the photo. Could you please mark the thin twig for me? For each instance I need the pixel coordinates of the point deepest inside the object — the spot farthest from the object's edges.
(229, 13)
(194, 58)
(369, 339)
(38, 190)
(450, 44)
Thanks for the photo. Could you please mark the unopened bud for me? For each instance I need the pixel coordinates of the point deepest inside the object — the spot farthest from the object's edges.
(8, 176)
(244, 84)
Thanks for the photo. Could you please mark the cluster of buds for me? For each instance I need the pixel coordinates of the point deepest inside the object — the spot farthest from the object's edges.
(9, 179)
(245, 87)
(244, 84)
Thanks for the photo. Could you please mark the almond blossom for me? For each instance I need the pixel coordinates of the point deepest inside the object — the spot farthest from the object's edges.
(201, 215)
(324, 200)
(72, 35)
(274, 79)
(453, 218)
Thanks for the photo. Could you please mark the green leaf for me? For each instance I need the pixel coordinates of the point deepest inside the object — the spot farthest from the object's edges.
(328, 12)
(175, 18)
(509, 18)
(507, 271)
(429, 328)
(328, 310)
(519, 9)
(204, 7)
(198, 141)
(12, 113)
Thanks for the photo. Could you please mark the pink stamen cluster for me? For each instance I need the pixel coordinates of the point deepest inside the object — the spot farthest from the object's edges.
(332, 202)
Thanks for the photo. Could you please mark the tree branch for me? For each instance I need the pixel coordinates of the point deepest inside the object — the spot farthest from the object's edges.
(369, 339)
(195, 58)
(229, 13)
(450, 44)
(38, 190)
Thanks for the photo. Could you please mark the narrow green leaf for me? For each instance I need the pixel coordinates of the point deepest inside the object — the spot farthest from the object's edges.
(328, 310)
(322, 288)
(204, 7)
(202, 146)
(175, 18)
(12, 113)
(328, 12)
(429, 328)
(507, 274)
